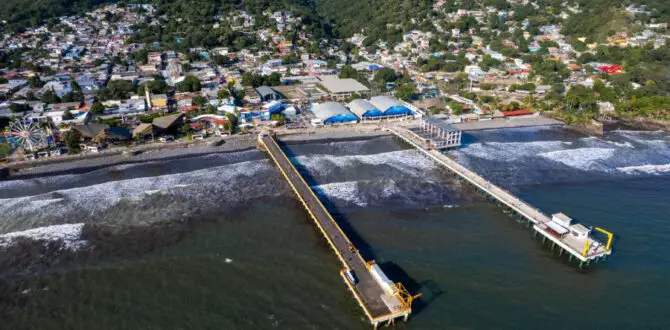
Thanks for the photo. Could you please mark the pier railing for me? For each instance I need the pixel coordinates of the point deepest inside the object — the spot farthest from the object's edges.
(576, 247)
(368, 292)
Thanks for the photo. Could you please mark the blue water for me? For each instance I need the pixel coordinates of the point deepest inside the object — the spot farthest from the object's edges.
(218, 241)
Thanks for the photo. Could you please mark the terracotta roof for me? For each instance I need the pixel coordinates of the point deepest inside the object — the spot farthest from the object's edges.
(517, 113)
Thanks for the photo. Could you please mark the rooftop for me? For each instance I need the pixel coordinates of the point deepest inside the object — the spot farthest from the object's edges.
(336, 85)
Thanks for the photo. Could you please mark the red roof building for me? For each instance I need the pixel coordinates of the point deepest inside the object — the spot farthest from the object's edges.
(513, 113)
(610, 69)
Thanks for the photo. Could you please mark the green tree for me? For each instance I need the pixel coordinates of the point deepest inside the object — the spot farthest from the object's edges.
(385, 75)
(50, 97)
(115, 90)
(291, 58)
(223, 93)
(232, 119)
(67, 115)
(75, 86)
(5, 150)
(278, 117)
(348, 71)
(456, 108)
(71, 140)
(97, 108)
(274, 79)
(252, 79)
(19, 107)
(199, 101)
(405, 91)
(35, 82)
(189, 84)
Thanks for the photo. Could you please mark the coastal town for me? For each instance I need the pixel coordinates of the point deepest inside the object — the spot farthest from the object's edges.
(83, 84)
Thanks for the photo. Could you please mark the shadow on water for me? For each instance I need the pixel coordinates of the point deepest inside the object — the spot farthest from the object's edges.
(468, 139)
(363, 247)
(429, 289)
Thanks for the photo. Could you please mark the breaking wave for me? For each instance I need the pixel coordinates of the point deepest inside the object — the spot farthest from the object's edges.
(582, 158)
(141, 200)
(645, 169)
(532, 157)
(511, 150)
(69, 235)
(394, 194)
(408, 162)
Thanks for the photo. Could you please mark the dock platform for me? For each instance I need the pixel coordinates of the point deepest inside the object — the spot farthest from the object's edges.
(382, 302)
(572, 238)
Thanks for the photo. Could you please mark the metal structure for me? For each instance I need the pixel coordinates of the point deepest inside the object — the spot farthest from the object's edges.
(380, 306)
(26, 135)
(593, 249)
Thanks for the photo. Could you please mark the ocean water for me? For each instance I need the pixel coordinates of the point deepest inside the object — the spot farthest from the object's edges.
(218, 241)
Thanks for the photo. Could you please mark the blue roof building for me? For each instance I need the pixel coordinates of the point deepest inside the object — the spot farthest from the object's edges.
(364, 109)
(333, 113)
(390, 106)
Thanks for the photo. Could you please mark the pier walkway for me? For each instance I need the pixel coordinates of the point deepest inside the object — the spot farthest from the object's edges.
(583, 247)
(380, 301)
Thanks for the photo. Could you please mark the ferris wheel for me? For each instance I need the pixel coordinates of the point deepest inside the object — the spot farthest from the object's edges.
(26, 135)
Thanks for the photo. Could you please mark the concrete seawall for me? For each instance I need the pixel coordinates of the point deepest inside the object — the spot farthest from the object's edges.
(529, 121)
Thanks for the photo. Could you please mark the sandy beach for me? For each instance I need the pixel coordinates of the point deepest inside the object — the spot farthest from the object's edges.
(176, 150)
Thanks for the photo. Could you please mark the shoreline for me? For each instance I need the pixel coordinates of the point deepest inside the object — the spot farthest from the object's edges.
(518, 122)
(238, 143)
(147, 153)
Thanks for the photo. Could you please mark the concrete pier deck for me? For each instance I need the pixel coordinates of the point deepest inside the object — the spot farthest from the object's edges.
(528, 121)
(379, 305)
(585, 248)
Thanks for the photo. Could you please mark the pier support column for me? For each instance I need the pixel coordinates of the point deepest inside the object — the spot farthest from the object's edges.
(535, 233)
(571, 257)
(406, 317)
(544, 239)
(581, 264)
(553, 244)
(560, 252)
(588, 262)
(374, 325)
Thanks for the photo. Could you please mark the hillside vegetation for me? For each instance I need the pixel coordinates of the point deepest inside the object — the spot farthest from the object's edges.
(20, 14)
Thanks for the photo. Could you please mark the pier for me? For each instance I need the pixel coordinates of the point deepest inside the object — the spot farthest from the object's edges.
(572, 238)
(381, 300)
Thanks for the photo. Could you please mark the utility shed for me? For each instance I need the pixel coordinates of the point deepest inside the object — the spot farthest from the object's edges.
(267, 94)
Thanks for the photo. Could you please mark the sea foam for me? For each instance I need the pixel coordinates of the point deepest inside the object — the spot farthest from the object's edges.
(68, 234)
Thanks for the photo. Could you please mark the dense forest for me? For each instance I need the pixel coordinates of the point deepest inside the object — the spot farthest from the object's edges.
(599, 17)
(20, 14)
(379, 19)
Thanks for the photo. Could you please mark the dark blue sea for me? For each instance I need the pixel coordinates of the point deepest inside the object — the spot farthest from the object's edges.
(218, 241)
